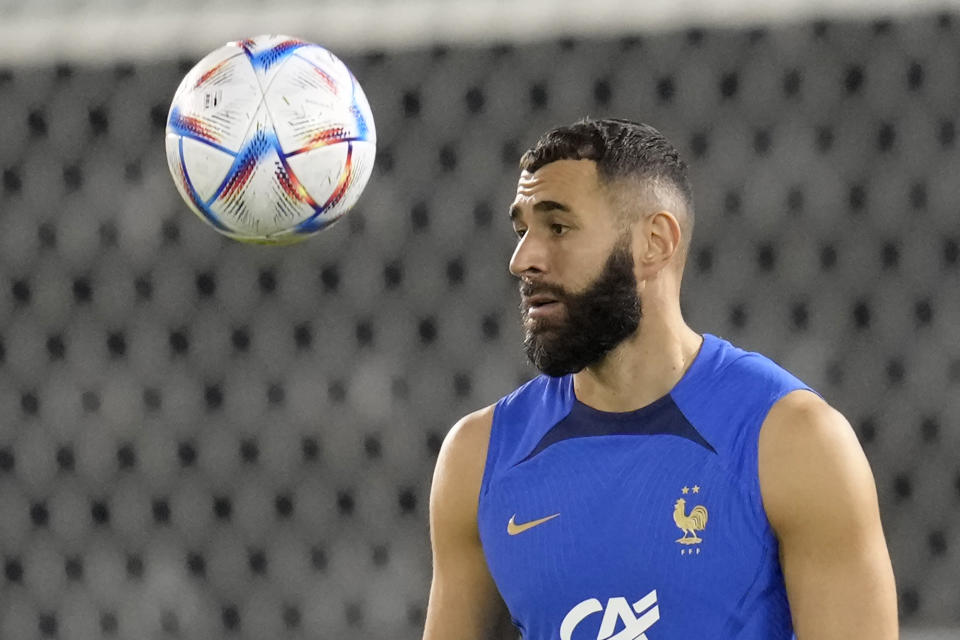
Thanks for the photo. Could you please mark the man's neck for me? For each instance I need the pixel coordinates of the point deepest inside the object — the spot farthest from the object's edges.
(642, 369)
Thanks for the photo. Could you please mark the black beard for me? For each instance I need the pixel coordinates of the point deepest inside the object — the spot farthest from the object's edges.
(605, 314)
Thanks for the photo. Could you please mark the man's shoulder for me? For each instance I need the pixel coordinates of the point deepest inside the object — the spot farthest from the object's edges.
(531, 388)
(469, 435)
(803, 436)
(727, 396)
(540, 398)
(805, 447)
(802, 420)
(751, 369)
(457, 476)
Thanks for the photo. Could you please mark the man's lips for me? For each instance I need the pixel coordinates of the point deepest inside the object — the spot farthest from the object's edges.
(541, 306)
(538, 300)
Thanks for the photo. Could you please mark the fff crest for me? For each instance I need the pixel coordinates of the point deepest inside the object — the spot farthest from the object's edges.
(689, 523)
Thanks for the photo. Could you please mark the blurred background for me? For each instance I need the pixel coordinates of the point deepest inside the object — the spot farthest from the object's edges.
(202, 439)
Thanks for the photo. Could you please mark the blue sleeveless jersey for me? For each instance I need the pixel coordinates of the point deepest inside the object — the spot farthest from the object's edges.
(645, 525)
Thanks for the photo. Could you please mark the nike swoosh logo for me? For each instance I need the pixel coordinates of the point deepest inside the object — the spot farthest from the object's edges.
(513, 528)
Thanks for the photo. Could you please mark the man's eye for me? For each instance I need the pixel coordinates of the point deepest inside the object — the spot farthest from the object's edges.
(558, 229)
(520, 232)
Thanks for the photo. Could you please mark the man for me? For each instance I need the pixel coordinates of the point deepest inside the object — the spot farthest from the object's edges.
(653, 483)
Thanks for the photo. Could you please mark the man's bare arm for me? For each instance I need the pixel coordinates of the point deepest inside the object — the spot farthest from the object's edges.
(821, 500)
(464, 601)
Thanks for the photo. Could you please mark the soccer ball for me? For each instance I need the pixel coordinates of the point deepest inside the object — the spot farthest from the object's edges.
(270, 140)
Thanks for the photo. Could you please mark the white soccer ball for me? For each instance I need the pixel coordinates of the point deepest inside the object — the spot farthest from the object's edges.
(270, 140)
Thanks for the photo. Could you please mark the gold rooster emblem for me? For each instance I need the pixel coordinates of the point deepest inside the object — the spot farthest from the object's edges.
(689, 524)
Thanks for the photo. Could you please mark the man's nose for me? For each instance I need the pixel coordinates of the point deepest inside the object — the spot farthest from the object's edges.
(528, 256)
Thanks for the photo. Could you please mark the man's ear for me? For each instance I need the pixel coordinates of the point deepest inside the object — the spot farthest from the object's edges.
(659, 241)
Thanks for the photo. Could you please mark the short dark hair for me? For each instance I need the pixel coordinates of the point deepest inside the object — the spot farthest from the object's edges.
(621, 149)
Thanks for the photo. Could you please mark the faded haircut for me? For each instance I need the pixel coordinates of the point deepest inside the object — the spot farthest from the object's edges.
(623, 150)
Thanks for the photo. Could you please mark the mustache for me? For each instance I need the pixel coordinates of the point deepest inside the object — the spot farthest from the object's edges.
(529, 289)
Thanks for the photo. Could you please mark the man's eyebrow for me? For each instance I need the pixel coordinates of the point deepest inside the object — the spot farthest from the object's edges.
(543, 206)
(550, 205)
